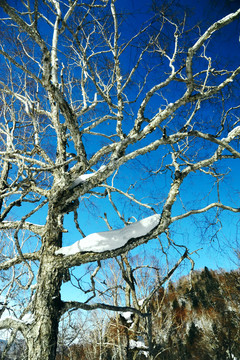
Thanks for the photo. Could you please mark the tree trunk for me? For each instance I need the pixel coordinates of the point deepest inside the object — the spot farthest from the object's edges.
(42, 337)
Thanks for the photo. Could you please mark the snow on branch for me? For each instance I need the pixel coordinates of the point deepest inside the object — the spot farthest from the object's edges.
(13, 323)
(82, 178)
(111, 240)
(139, 344)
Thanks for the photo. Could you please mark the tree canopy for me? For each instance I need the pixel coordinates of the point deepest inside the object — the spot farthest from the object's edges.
(110, 119)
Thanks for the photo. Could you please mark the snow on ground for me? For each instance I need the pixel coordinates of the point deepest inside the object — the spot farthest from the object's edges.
(110, 240)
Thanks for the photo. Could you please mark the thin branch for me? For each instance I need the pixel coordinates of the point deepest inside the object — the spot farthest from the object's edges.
(204, 209)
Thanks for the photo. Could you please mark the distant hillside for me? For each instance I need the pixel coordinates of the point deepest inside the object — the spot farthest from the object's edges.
(198, 318)
(16, 352)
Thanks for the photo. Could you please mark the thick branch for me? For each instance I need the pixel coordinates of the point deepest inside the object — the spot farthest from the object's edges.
(10, 225)
(11, 323)
(83, 258)
(19, 259)
(74, 305)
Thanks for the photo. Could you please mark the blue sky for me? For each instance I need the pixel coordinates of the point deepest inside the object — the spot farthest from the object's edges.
(215, 245)
(190, 232)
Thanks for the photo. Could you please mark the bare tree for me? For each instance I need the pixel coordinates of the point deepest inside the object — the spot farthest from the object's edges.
(83, 102)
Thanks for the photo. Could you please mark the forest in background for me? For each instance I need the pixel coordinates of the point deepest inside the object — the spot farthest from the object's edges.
(196, 317)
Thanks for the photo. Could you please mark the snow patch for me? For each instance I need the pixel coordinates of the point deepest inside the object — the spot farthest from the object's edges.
(127, 315)
(28, 318)
(110, 240)
(139, 344)
(82, 178)
(203, 323)
(141, 301)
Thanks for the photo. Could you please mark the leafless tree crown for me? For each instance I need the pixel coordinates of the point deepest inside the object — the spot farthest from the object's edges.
(94, 112)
